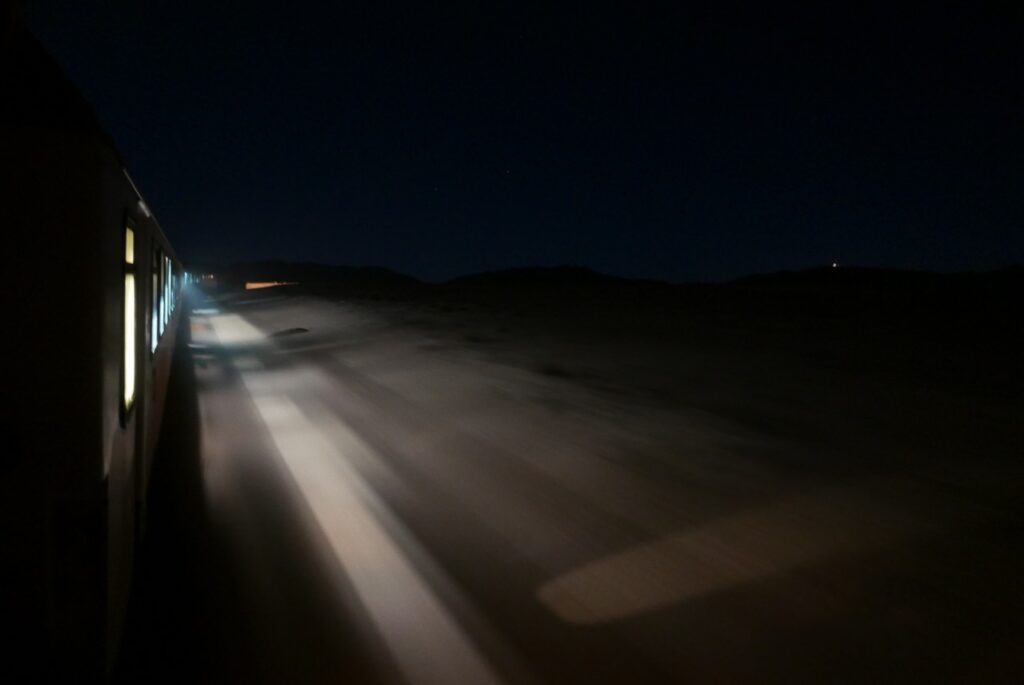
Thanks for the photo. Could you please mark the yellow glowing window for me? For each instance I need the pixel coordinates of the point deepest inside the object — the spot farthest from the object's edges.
(129, 246)
(129, 318)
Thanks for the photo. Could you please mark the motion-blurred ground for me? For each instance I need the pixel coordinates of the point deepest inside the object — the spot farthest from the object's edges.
(559, 477)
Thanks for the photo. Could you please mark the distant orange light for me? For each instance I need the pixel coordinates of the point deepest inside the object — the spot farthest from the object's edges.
(257, 285)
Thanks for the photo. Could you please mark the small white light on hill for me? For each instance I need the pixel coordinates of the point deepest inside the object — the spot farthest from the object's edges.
(835, 264)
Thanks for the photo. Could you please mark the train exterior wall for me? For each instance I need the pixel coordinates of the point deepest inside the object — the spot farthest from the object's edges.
(77, 467)
(120, 429)
(57, 495)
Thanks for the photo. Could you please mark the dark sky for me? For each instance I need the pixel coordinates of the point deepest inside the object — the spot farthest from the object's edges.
(639, 139)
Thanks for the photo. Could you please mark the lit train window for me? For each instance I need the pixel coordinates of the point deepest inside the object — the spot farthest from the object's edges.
(154, 331)
(160, 306)
(129, 318)
(167, 291)
(163, 293)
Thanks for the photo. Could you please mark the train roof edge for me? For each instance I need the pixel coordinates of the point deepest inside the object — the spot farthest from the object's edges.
(40, 95)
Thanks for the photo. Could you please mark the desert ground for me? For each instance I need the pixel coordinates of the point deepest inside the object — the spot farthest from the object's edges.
(566, 478)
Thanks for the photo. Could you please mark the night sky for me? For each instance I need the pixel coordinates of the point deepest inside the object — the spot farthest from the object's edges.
(638, 139)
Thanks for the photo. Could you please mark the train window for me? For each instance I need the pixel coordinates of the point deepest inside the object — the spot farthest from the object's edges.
(129, 318)
(167, 290)
(154, 331)
(170, 288)
(163, 293)
(160, 297)
(129, 246)
(170, 291)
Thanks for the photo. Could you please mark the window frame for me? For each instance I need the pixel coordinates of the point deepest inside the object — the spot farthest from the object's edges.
(126, 406)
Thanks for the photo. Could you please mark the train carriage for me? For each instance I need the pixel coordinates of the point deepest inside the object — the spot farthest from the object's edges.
(92, 305)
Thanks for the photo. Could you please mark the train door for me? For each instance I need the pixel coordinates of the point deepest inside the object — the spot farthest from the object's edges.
(121, 518)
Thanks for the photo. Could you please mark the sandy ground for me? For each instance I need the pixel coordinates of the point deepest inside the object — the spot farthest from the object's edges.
(498, 487)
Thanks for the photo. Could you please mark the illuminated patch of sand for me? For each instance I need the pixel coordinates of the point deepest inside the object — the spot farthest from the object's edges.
(739, 549)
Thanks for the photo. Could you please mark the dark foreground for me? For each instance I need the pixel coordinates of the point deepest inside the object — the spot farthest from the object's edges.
(566, 484)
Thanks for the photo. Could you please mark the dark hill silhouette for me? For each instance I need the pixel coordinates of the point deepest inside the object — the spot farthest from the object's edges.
(310, 273)
(875, 279)
(830, 292)
(560, 275)
(844, 278)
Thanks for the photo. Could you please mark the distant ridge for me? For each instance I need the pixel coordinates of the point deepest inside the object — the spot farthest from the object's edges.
(826, 278)
(853, 277)
(311, 272)
(548, 275)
